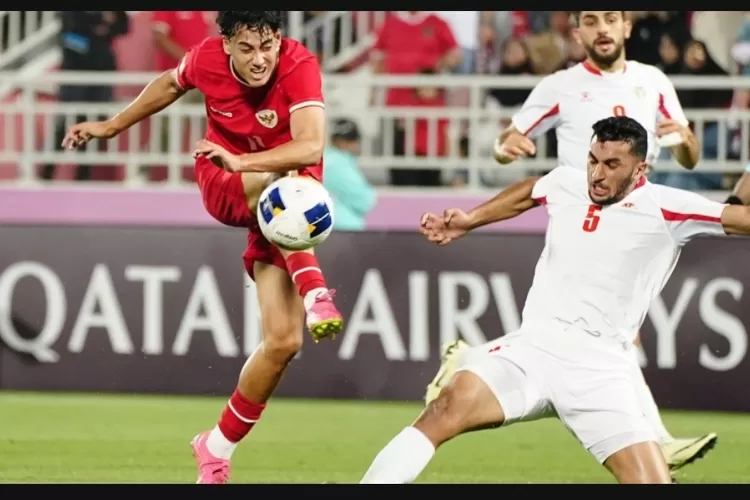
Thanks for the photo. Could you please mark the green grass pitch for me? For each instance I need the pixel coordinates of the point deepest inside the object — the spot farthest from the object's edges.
(63, 438)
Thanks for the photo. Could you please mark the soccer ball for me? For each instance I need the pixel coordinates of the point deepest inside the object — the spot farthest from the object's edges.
(295, 213)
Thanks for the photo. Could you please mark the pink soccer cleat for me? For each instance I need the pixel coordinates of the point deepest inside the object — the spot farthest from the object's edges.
(323, 319)
(211, 470)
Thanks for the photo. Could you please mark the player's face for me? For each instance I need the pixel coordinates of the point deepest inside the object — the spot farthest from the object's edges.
(602, 34)
(254, 54)
(613, 171)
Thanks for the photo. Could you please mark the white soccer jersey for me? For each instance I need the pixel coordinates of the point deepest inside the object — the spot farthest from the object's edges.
(572, 100)
(601, 267)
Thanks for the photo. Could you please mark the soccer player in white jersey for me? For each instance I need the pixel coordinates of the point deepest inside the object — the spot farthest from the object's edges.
(571, 101)
(611, 244)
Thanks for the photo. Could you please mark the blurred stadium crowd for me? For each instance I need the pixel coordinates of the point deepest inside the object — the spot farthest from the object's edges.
(505, 43)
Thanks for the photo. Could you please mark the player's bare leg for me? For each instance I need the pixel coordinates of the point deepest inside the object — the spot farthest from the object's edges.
(282, 315)
(641, 463)
(323, 318)
(465, 404)
(678, 452)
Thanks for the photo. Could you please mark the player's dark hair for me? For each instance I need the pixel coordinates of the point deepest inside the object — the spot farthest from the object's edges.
(231, 21)
(623, 129)
(575, 16)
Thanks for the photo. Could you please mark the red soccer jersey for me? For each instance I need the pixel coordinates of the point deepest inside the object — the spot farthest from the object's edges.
(410, 44)
(185, 27)
(244, 119)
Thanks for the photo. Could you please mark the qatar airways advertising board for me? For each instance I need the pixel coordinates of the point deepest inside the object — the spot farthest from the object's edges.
(169, 310)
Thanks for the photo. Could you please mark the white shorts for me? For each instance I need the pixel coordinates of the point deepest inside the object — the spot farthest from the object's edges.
(590, 390)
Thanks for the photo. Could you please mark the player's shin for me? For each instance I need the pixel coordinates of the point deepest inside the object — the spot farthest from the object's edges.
(305, 271)
(402, 460)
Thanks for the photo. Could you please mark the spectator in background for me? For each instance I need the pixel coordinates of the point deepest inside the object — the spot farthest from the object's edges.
(718, 31)
(86, 41)
(698, 62)
(465, 27)
(555, 48)
(740, 53)
(412, 42)
(408, 42)
(516, 61)
(353, 197)
(431, 137)
(670, 55)
(176, 32)
(648, 28)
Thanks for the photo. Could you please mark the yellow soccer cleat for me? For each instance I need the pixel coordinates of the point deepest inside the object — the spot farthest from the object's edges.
(449, 354)
(685, 451)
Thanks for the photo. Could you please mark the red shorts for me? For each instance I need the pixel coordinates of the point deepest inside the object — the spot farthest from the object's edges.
(224, 198)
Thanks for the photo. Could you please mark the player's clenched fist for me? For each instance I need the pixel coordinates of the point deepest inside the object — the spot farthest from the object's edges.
(442, 230)
(515, 146)
(81, 133)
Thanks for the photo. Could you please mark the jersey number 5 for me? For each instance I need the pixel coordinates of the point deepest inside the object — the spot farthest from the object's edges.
(619, 111)
(591, 222)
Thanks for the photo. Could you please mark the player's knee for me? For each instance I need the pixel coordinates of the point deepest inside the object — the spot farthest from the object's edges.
(282, 340)
(253, 185)
(446, 416)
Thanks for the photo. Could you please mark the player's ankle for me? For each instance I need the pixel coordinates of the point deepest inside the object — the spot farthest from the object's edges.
(310, 297)
(219, 445)
(239, 417)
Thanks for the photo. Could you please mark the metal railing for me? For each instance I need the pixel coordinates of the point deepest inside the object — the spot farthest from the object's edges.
(21, 32)
(339, 37)
(27, 127)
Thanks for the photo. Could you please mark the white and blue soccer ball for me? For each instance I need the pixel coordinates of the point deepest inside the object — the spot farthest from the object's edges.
(295, 213)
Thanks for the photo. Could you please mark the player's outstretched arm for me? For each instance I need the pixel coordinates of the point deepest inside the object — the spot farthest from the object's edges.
(741, 193)
(157, 95)
(736, 220)
(455, 223)
(509, 203)
(308, 129)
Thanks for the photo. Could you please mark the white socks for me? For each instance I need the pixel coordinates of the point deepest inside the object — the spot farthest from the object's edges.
(218, 445)
(309, 299)
(402, 460)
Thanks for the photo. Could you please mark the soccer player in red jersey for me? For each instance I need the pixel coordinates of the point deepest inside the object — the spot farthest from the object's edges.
(265, 112)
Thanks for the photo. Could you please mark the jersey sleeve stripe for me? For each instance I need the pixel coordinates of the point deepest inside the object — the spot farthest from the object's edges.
(176, 78)
(306, 104)
(663, 109)
(670, 216)
(554, 111)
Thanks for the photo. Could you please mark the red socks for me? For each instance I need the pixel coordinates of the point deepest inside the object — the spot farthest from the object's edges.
(239, 417)
(305, 272)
